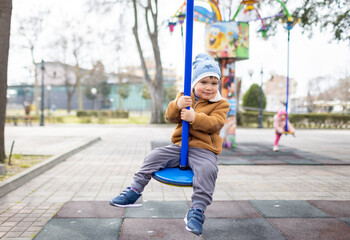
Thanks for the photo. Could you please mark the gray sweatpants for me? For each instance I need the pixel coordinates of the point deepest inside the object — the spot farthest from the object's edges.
(202, 162)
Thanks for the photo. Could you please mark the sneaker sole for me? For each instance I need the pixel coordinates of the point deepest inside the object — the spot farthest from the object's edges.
(126, 206)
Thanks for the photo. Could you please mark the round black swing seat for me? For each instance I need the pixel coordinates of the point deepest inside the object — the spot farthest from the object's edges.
(175, 177)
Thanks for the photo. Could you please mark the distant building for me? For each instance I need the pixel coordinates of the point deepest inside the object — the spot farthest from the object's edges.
(57, 74)
(275, 90)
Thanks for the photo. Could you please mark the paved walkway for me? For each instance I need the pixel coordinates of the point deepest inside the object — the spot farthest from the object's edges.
(101, 171)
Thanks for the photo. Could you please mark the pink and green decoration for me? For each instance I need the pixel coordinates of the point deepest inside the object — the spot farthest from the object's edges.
(227, 40)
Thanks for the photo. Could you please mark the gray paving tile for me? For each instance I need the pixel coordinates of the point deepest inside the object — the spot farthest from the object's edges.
(166, 229)
(92, 209)
(287, 209)
(331, 161)
(158, 209)
(80, 228)
(297, 161)
(346, 220)
(333, 208)
(231, 209)
(261, 157)
(252, 153)
(226, 152)
(155, 144)
(312, 229)
(269, 162)
(224, 160)
(240, 229)
(280, 153)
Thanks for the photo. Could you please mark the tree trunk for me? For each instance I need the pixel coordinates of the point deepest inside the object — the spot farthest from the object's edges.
(70, 94)
(5, 23)
(78, 82)
(157, 108)
(70, 90)
(36, 85)
(155, 86)
(69, 100)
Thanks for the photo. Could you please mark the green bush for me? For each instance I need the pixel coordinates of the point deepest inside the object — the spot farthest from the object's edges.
(307, 120)
(252, 97)
(103, 113)
(251, 119)
(122, 114)
(87, 113)
(85, 120)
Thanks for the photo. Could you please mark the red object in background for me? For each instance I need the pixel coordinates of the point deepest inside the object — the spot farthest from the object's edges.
(171, 26)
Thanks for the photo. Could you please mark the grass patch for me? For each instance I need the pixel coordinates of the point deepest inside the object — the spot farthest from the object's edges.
(62, 117)
(20, 163)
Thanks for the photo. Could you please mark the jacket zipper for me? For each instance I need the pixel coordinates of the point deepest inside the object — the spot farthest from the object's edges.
(194, 107)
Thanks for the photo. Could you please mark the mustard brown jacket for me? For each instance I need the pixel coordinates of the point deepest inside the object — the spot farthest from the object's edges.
(204, 131)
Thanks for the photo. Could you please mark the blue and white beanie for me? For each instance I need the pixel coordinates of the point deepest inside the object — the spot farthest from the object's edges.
(205, 65)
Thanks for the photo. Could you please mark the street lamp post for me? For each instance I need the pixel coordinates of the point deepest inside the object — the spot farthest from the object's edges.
(261, 100)
(93, 92)
(42, 93)
(250, 73)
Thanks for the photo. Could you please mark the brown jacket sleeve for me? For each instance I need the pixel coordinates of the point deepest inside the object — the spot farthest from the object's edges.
(214, 122)
(173, 112)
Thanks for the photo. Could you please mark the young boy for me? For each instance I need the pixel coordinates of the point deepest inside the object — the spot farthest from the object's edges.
(206, 116)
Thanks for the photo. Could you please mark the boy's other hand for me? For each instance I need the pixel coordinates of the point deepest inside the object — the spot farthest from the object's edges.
(184, 102)
(188, 115)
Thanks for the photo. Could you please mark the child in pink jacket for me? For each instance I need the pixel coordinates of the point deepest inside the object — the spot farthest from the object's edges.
(279, 123)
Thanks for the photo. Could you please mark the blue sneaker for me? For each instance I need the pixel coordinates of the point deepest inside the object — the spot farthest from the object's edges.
(128, 198)
(194, 220)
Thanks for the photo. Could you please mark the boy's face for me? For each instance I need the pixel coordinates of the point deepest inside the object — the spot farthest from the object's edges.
(207, 88)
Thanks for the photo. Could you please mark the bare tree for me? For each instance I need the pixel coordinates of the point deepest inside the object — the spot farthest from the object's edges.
(78, 42)
(318, 88)
(96, 79)
(117, 42)
(154, 83)
(69, 82)
(330, 15)
(5, 25)
(340, 91)
(155, 86)
(71, 44)
(30, 29)
(328, 89)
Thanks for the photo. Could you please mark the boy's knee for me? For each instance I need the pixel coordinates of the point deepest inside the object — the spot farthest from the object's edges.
(209, 171)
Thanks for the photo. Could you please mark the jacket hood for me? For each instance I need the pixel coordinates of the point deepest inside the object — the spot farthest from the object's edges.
(281, 112)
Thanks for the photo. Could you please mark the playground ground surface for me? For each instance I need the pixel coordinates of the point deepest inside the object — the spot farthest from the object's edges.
(304, 196)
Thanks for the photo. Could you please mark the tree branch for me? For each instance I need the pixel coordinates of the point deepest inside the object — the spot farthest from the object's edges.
(138, 43)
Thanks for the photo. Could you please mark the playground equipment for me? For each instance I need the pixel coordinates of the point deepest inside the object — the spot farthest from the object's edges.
(227, 40)
(182, 176)
(290, 22)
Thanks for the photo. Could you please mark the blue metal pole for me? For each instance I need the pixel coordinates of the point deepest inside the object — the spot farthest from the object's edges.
(286, 127)
(188, 76)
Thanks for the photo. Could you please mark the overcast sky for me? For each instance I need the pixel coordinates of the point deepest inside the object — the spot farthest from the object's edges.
(309, 58)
